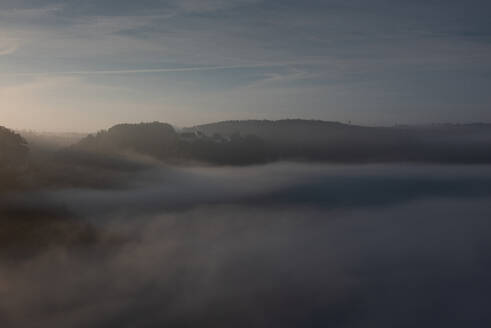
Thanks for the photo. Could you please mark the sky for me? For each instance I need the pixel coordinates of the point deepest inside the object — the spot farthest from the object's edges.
(86, 65)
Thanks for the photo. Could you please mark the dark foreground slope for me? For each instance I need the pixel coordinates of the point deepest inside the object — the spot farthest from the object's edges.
(250, 142)
(28, 224)
(13, 155)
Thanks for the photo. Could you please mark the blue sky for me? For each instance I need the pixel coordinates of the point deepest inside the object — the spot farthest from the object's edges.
(85, 65)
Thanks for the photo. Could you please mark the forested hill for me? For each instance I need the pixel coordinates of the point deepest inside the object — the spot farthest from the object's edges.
(281, 129)
(237, 143)
(301, 131)
(333, 141)
(255, 141)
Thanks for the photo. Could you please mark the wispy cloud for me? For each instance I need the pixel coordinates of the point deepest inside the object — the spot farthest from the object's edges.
(151, 70)
(8, 46)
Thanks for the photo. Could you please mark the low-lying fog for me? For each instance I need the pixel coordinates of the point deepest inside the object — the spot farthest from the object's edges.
(279, 245)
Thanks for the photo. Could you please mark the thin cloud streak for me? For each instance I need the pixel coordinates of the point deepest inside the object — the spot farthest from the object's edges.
(151, 70)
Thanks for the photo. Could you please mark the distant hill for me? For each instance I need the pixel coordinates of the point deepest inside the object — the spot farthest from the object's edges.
(161, 141)
(333, 141)
(283, 130)
(155, 139)
(50, 141)
(256, 141)
(298, 131)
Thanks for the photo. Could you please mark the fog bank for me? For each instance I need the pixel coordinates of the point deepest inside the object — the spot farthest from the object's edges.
(279, 245)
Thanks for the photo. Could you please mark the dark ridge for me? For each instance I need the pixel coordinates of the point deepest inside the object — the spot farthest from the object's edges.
(261, 141)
